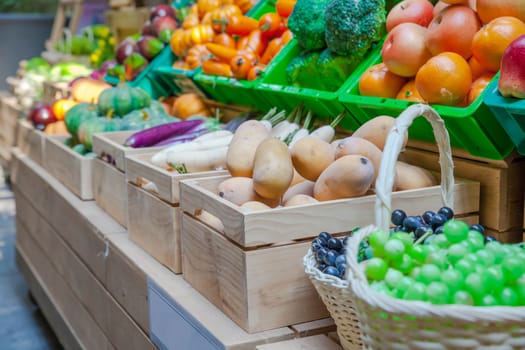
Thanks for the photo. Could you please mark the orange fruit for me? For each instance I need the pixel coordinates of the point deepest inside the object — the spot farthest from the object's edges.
(490, 9)
(380, 82)
(445, 79)
(479, 85)
(492, 39)
(408, 92)
(476, 68)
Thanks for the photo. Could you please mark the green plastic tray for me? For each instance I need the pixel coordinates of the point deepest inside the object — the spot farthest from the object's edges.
(473, 128)
(230, 90)
(181, 80)
(509, 112)
(148, 79)
(275, 91)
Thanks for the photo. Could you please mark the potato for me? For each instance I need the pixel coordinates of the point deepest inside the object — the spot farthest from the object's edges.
(305, 187)
(211, 220)
(410, 177)
(239, 190)
(272, 169)
(310, 156)
(297, 178)
(376, 130)
(348, 176)
(357, 145)
(241, 152)
(254, 206)
(300, 199)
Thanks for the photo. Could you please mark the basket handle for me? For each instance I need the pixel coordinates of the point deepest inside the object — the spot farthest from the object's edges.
(385, 180)
(394, 143)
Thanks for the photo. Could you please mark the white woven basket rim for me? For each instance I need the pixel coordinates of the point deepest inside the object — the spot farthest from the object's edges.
(358, 281)
(312, 271)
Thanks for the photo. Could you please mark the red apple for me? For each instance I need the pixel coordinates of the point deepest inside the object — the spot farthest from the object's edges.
(147, 28)
(452, 30)
(41, 115)
(414, 11)
(404, 50)
(125, 49)
(163, 28)
(162, 10)
(512, 72)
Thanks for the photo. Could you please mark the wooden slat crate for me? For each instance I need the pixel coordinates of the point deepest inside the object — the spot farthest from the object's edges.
(10, 112)
(70, 168)
(157, 208)
(110, 146)
(110, 190)
(30, 141)
(501, 186)
(54, 91)
(252, 270)
(126, 21)
(109, 179)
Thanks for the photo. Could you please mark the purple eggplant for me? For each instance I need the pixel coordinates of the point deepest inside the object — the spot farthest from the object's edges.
(154, 135)
(182, 138)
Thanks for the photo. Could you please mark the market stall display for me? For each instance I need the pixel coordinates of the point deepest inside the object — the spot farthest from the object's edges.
(182, 175)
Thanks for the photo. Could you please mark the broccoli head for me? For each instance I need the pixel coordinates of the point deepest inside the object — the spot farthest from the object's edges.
(307, 23)
(353, 26)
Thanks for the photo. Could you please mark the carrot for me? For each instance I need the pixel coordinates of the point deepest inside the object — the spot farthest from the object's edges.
(286, 36)
(222, 53)
(225, 40)
(256, 72)
(256, 42)
(240, 65)
(217, 68)
(271, 50)
(241, 25)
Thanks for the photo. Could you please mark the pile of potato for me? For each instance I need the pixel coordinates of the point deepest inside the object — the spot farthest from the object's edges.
(267, 173)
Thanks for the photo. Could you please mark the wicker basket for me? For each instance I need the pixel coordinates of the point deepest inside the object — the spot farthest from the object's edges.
(338, 299)
(390, 323)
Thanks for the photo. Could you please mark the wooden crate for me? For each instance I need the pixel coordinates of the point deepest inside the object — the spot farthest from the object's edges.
(126, 21)
(110, 146)
(10, 112)
(153, 216)
(30, 141)
(70, 168)
(54, 91)
(110, 190)
(252, 269)
(501, 186)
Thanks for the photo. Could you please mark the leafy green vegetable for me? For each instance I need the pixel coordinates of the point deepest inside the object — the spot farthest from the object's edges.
(307, 23)
(335, 69)
(302, 71)
(353, 26)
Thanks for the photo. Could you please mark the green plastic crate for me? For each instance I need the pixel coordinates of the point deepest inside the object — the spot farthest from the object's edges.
(473, 128)
(275, 91)
(230, 90)
(509, 112)
(182, 79)
(148, 79)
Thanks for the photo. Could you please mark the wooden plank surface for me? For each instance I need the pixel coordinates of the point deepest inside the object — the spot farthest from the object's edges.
(70, 168)
(110, 190)
(316, 342)
(259, 289)
(118, 326)
(501, 186)
(79, 320)
(82, 224)
(154, 225)
(292, 223)
(56, 320)
(30, 141)
(139, 169)
(112, 144)
(182, 302)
